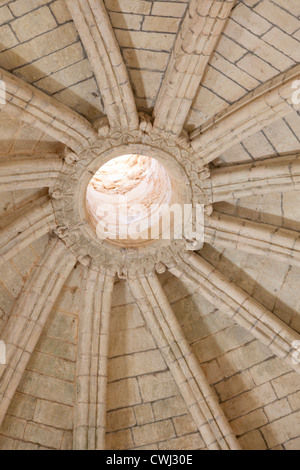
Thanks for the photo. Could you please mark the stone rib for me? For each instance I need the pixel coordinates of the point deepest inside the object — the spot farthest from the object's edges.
(253, 237)
(239, 306)
(29, 315)
(93, 342)
(196, 392)
(273, 175)
(27, 172)
(246, 117)
(97, 35)
(36, 220)
(28, 104)
(196, 41)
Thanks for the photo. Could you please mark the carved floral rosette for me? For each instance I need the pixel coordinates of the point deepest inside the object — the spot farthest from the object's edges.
(68, 197)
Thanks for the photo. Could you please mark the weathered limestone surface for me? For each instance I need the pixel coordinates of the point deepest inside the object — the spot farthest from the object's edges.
(239, 306)
(195, 43)
(272, 175)
(226, 73)
(253, 237)
(34, 107)
(92, 355)
(199, 398)
(30, 313)
(37, 220)
(27, 172)
(98, 37)
(246, 117)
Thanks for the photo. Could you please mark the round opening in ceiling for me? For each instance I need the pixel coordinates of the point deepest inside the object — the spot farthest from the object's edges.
(127, 198)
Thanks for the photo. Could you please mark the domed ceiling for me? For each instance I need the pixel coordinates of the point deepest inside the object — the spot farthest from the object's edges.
(162, 344)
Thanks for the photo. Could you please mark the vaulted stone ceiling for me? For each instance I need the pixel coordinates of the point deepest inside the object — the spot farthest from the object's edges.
(176, 349)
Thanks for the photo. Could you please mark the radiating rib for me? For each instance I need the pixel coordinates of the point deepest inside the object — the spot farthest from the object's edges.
(28, 104)
(91, 397)
(200, 399)
(253, 237)
(29, 315)
(196, 41)
(239, 306)
(258, 109)
(261, 177)
(36, 220)
(28, 172)
(97, 35)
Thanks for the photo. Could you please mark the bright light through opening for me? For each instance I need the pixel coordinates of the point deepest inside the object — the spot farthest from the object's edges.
(131, 186)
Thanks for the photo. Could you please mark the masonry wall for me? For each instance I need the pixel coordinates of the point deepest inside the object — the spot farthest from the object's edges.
(260, 40)
(39, 43)
(146, 410)
(41, 412)
(259, 394)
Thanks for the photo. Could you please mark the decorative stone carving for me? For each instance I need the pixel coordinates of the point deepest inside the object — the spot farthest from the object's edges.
(102, 126)
(160, 268)
(205, 173)
(88, 147)
(184, 141)
(208, 210)
(85, 260)
(62, 231)
(57, 194)
(145, 123)
(69, 198)
(194, 245)
(70, 157)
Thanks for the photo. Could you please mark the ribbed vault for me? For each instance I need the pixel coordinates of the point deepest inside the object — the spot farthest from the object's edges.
(245, 280)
